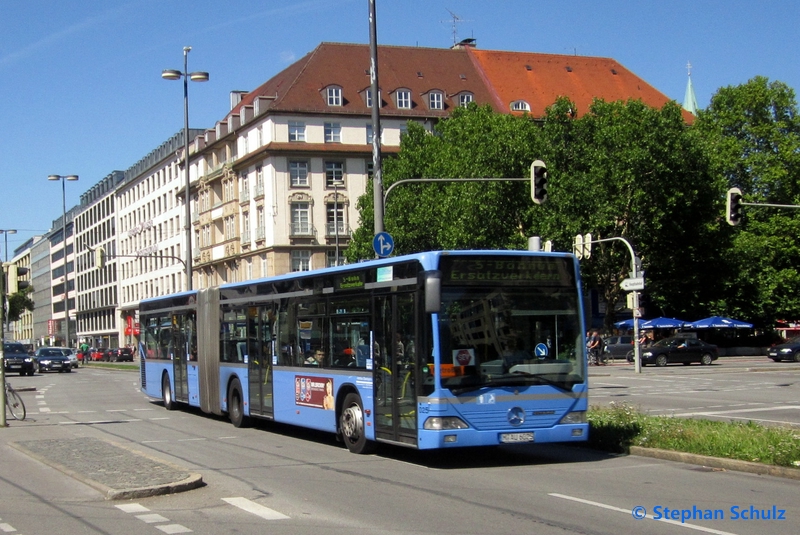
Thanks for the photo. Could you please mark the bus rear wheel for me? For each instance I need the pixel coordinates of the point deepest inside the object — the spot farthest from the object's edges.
(236, 405)
(166, 393)
(351, 425)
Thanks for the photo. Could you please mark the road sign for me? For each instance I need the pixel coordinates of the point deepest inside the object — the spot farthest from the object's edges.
(632, 285)
(383, 244)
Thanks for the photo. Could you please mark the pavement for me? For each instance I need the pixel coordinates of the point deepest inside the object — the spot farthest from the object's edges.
(116, 470)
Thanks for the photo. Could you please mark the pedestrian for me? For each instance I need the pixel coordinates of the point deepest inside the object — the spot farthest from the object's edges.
(594, 344)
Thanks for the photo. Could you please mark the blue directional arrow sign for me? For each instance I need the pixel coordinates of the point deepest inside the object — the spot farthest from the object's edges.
(383, 244)
(541, 350)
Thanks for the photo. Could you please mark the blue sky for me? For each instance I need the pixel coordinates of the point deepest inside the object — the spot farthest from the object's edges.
(81, 89)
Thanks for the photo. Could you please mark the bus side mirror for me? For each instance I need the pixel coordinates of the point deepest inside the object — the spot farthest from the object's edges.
(433, 291)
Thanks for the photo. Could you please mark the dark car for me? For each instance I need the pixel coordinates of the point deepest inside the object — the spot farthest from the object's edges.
(17, 359)
(618, 347)
(789, 350)
(679, 349)
(119, 354)
(52, 359)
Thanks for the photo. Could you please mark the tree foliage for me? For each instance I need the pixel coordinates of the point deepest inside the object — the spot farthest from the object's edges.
(20, 302)
(752, 133)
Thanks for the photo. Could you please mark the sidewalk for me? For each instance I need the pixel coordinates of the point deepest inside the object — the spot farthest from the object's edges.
(113, 469)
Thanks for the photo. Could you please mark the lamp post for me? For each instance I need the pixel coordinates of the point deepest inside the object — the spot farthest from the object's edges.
(172, 74)
(6, 232)
(63, 179)
(336, 185)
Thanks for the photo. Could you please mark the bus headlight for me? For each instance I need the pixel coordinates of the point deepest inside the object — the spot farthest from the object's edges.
(575, 417)
(437, 423)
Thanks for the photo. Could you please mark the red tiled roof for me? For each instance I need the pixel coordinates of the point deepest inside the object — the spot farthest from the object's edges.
(300, 87)
(539, 79)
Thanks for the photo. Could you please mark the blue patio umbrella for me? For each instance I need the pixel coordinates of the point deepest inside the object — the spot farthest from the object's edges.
(663, 323)
(626, 324)
(719, 322)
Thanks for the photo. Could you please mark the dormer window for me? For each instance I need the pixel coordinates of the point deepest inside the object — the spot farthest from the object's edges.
(403, 99)
(464, 99)
(334, 96)
(520, 105)
(436, 100)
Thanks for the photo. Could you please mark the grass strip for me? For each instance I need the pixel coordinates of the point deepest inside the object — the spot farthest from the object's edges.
(617, 427)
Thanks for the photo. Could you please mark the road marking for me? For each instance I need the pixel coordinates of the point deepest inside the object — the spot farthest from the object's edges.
(252, 507)
(8, 528)
(630, 512)
(133, 508)
(152, 518)
(174, 528)
(755, 409)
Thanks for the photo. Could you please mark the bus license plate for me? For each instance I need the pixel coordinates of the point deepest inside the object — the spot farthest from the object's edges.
(510, 438)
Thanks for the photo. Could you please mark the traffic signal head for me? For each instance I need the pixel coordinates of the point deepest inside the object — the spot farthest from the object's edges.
(14, 284)
(100, 257)
(733, 207)
(538, 182)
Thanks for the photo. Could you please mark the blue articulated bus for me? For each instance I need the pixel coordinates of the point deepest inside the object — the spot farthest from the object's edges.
(431, 350)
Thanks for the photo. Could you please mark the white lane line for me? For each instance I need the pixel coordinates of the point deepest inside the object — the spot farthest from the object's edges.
(133, 508)
(630, 512)
(152, 518)
(758, 409)
(174, 528)
(252, 507)
(7, 528)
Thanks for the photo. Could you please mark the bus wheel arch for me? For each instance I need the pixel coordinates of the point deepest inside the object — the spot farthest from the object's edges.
(166, 392)
(352, 425)
(236, 404)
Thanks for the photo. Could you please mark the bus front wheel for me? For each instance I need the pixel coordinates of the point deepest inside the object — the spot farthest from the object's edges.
(236, 405)
(351, 425)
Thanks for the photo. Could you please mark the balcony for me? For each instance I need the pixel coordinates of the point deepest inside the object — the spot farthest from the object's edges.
(330, 230)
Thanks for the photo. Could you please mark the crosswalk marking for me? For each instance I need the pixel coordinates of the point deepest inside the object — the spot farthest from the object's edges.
(257, 509)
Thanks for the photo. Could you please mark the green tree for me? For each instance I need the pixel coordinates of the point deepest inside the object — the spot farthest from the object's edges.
(753, 135)
(20, 302)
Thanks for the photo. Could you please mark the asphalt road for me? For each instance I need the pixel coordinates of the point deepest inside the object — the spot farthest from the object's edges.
(731, 389)
(280, 480)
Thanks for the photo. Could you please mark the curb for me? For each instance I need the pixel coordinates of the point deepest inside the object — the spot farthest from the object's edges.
(119, 482)
(717, 462)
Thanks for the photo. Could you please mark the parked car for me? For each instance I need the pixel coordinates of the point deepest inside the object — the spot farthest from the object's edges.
(17, 359)
(679, 349)
(119, 354)
(52, 359)
(789, 350)
(95, 354)
(618, 347)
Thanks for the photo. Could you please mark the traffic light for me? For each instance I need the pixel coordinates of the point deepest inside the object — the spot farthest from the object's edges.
(538, 182)
(733, 213)
(100, 257)
(14, 284)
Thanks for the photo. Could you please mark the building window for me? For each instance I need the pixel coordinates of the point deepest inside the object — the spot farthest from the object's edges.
(335, 219)
(404, 99)
(301, 218)
(333, 133)
(301, 260)
(334, 173)
(331, 259)
(298, 173)
(464, 99)
(435, 101)
(520, 105)
(259, 181)
(368, 98)
(297, 131)
(230, 227)
(370, 166)
(334, 96)
(369, 134)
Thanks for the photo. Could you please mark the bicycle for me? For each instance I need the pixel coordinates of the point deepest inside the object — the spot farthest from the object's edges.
(14, 403)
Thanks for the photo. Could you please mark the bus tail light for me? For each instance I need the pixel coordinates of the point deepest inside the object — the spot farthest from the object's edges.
(438, 423)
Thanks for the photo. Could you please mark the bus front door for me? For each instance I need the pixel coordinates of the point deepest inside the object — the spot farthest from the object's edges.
(394, 368)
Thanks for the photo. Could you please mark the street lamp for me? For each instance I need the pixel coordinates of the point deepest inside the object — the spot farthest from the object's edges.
(7, 232)
(63, 179)
(172, 74)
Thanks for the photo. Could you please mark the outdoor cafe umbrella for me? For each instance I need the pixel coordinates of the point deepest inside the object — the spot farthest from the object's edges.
(663, 323)
(627, 324)
(718, 322)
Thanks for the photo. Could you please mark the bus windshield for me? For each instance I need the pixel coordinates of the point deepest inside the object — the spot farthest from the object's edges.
(512, 335)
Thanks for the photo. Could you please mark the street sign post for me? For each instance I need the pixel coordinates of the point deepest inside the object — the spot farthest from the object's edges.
(632, 285)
